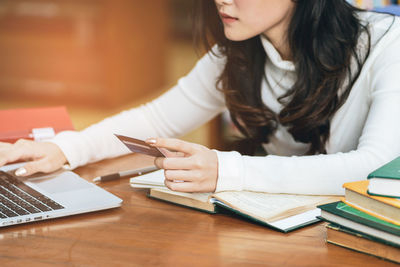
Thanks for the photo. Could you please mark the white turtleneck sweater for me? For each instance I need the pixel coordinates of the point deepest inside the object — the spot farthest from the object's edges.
(365, 131)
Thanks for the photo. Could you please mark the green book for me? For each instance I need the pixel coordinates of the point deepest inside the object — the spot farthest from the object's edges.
(385, 181)
(361, 242)
(360, 234)
(346, 216)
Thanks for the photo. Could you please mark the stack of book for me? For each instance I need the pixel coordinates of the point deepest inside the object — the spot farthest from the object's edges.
(368, 218)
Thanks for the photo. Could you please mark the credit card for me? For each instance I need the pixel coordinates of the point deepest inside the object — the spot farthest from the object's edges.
(140, 146)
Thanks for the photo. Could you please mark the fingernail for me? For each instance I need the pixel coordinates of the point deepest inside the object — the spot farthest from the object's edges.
(151, 141)
(20, 171)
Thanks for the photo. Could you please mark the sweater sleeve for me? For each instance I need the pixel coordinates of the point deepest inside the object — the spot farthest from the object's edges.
(192, 102)
(325, 174)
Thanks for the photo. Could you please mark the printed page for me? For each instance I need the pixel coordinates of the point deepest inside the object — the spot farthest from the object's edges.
(271, 207)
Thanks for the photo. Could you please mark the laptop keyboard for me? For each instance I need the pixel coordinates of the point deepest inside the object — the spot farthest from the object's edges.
(17, 198)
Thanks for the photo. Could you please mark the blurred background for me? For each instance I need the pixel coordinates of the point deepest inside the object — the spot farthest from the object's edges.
(99, 57)
(96, 57)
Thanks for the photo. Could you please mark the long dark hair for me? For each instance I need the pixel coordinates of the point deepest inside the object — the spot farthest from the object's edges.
(323, 37)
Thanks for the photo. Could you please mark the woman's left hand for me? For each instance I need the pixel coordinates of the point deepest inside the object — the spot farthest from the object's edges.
(190, 168)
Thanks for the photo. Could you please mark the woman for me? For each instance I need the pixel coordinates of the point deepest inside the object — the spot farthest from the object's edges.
(316, 82)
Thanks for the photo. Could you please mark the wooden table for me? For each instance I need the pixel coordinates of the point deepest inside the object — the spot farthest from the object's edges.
(147, 232)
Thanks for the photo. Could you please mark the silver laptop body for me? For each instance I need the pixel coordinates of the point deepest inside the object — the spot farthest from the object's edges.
(24, 200)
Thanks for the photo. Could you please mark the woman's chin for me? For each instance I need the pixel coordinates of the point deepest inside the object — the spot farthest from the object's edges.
(236, 36)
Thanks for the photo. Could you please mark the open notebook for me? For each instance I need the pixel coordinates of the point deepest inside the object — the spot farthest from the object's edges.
(283, 212)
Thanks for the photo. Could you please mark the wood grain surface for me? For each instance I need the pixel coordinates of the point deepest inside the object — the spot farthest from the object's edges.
(147, 232)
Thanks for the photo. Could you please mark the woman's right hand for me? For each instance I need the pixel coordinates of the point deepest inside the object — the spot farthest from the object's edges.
(42, 156)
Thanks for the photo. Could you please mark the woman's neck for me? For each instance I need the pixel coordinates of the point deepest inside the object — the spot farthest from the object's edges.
(277, 35)
(281, 45)
(283, 49)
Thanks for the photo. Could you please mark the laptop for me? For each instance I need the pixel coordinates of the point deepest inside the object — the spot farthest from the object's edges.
(48, 196)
